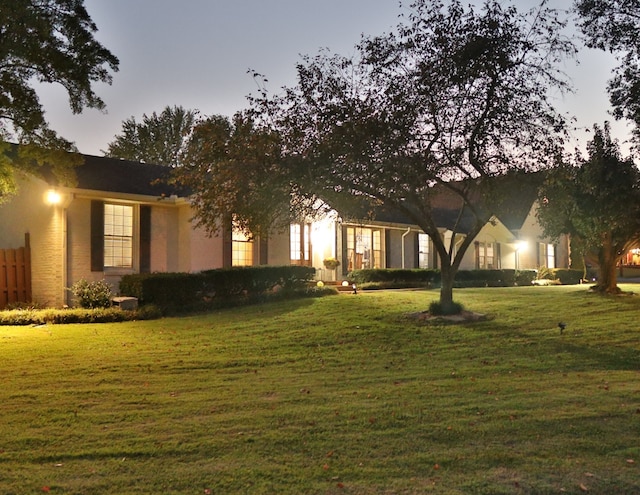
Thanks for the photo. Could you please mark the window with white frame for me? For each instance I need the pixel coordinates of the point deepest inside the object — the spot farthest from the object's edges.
(364, 248)
(300, 243)
(547, 255)
(241, 249)
(118, 236)
(485, 255)
(423, 250)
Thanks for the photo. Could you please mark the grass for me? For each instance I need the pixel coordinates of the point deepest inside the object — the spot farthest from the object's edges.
(344, 394)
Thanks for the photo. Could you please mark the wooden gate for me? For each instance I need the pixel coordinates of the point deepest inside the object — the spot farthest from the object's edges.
(15, 274)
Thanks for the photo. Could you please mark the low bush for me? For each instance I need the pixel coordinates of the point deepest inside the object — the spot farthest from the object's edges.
(567, 277)
(395, 275)
(95, 294)
(180, 292)
(76, 315)
(400, 278)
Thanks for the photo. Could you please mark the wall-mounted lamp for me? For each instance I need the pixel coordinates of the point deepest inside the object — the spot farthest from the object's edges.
(53, 197)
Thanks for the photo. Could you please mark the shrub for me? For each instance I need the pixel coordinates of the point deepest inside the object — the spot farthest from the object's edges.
(91, 295)
(76, 315)
(525, 277)
(568, 277)
(214, 288)
(395, 275)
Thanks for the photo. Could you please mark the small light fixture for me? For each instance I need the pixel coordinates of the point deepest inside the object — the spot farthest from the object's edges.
(53, 197)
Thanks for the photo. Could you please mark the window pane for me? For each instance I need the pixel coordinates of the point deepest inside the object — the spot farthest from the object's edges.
(241, 250)
(118, 236)
(294, 236)
(551, 256)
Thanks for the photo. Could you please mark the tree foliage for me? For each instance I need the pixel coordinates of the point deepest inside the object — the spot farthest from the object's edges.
(45, 41)
(160, 139)
(233, 166)
(596, 201)
(614, 25)
(454, 97)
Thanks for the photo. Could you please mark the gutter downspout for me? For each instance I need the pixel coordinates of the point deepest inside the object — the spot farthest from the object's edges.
(403, 236)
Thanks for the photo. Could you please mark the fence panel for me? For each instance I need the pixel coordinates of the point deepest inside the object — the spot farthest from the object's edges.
(15, 275)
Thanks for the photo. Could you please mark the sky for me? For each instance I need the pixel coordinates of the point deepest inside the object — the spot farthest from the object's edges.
(197, 54)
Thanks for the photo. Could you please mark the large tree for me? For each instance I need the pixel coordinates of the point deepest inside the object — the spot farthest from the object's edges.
(614, 25)
(159, 138)
(453, 98)
(597, 201)
(44, 41)
(233, 167)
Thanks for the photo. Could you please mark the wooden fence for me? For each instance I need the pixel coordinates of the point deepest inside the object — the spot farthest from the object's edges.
(15, 274)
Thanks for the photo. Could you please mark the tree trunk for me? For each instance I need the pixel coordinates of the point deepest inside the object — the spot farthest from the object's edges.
(608, 279)
(447, 276)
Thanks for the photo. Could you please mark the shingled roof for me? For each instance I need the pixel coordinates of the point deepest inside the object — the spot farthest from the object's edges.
(519, 192)
(99, 173)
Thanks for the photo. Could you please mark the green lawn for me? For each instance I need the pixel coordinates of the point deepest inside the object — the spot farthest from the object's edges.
(338, 395)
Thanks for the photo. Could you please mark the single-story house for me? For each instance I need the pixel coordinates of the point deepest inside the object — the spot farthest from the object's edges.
(122, 218)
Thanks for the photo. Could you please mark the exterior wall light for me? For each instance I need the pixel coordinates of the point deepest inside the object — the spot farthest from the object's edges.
(53, 197)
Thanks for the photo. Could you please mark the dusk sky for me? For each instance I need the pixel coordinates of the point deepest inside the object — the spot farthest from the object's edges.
(196, 53)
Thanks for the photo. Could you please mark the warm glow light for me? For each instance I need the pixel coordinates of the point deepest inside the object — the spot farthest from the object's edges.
(53, 197)
(522, 246)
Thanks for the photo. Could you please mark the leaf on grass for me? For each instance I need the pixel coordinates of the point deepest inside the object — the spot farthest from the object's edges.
(583, 487)
(630, 461)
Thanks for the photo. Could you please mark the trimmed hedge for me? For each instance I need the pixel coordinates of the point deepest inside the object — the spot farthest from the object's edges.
(567, 277)
(395, 275)
(187, 291)
(464, 278)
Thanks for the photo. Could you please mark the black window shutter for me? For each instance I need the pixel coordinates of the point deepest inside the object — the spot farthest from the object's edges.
(97, 236)
(145, 239)
(264, 250)
(387, 247)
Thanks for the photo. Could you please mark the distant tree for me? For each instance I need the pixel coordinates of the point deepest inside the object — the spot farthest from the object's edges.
(451, 100)
(44, 41)
(597, 202)
(233, 168)
(160, 139)
(614, 26)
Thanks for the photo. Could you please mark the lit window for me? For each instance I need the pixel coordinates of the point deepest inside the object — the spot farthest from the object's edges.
(551, 256)
(423, 250)
(300, 244)
(242, 249)
(118, 236)
(486, 258)
(547, 255)
(364, 248)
